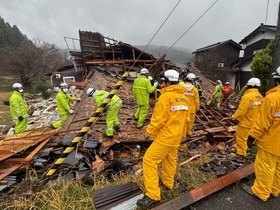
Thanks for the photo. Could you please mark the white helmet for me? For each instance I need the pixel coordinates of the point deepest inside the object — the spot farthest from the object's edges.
(254, 82)
(227, 83)
(219, 82)
(276, 74)
(150, 78)
(63, 85)
(17, 86)
(171, 75)
(90, 91)
(191, 76)
(144, 71)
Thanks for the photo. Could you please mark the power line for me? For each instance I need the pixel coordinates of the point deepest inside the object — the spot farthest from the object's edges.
(266, 12)
(155, 34)
(191, 26)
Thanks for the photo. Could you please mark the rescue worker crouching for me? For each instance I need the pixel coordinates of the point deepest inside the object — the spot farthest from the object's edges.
(265, 132)
(62, 103)
(168, 125)
(113, 108)
(217, 95)
(193, 98)
(18, 109)
(141, 89)
(246, 114)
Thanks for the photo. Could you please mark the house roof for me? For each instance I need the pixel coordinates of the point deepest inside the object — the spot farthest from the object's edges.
(261, 28)
(218, 44)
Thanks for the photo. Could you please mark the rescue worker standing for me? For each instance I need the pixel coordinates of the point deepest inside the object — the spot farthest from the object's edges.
(113, 108)
(246, 114)
(141, 89)
(193, 98)
(266, 131)
(227, 93)
(168, 125)
(62, 103)
(198, 86)
(217, 95)
(19, 109)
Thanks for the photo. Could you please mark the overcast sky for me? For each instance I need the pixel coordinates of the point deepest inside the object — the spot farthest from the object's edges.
(136, 21)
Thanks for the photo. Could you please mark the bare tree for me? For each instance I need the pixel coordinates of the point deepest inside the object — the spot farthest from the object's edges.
(33, 60)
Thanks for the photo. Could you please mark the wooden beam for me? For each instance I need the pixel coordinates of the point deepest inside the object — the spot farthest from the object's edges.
(9, 171)
(34, 152)
(207, 189)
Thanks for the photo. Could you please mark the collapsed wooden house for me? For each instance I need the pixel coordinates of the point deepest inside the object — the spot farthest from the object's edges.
(103, 60)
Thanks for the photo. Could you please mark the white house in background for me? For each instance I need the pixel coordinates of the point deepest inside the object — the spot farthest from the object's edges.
(251, 44)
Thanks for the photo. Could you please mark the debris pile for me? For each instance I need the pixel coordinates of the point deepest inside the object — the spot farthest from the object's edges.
(96, 154)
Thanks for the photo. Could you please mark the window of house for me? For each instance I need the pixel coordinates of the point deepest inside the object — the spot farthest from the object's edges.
(68, 79)
(220, 64)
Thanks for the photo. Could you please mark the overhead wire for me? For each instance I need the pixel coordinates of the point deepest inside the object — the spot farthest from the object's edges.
(98, 113)
(191, 26)
(155, 34)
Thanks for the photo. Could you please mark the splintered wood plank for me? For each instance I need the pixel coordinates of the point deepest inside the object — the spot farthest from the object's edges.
(9, 171)
(207, 189)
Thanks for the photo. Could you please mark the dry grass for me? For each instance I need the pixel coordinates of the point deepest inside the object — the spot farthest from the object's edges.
(75, 195)
(5, 118)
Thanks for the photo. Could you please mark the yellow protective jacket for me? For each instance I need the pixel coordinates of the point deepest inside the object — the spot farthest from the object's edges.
(141, 89)
(18, 106)
(192, 94)
(170, 117)
(218, 90)
(62, 102)
(266, 129)
(101, 96)
(249, 108)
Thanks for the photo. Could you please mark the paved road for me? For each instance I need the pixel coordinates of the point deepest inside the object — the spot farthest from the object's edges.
(234, 197)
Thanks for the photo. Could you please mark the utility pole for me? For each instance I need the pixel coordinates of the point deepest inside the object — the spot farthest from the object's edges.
(276, 51)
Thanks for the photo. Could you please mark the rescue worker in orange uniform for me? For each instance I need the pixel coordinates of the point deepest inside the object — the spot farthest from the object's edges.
(168, 125)
(193, 97)
(266, 133)
(246, 114)
(227, 93)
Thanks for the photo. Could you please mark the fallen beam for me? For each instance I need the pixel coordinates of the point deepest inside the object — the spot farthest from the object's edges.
(207, 189)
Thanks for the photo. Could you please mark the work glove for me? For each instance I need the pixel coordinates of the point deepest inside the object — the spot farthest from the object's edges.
(234, 121)
(71, 111)
(155, 84)
(78, 99)
(250, 141)
(20, 118)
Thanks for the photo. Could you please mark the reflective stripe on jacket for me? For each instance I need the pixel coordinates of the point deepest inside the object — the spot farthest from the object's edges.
(141, 89)
(101, 96)
(192, 94)
(248, 108)
(218, 90)
(62, 102)
(170, 117)
(266, 129)
(18, 106)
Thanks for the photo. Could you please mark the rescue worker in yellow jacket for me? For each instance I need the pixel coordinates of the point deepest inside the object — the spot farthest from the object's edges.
(266, 133)
(168, 125)
(62, 103)
(141, 89)
(217, 95)
(113, 108)
(246, 113)
(18, 109)
(193, 97)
